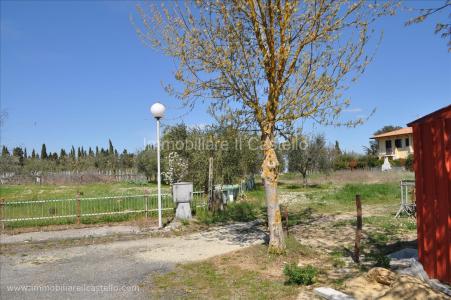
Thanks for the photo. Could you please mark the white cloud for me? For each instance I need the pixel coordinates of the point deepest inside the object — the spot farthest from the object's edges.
(353, 110)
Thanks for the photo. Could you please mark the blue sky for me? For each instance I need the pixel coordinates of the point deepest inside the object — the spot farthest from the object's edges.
(75, 73)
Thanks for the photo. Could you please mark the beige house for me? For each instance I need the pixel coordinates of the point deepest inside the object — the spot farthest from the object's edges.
(395, 144)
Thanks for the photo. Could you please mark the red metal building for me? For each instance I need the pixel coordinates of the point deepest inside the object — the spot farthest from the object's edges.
(432, 151)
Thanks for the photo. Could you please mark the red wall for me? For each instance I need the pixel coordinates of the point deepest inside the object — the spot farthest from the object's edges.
(432, 150)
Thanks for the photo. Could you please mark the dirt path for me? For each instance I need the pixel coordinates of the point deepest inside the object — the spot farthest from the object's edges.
(113, 270)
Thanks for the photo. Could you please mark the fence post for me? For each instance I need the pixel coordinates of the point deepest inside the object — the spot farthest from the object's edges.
(2, 213)
(211, 188)
(78, 208)
(145, 202)
(358, 232)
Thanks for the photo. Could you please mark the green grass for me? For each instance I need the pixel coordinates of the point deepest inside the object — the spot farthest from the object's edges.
(206, 281)
(45, 191)
(370, 193)
(51, 211)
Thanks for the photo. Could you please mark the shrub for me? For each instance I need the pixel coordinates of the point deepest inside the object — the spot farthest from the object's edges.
(300, 275)
(239, 211)
(242, 212)
(382, 261)
(409, 162)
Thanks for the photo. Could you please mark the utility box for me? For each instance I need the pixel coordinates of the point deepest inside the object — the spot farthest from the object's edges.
(182, 193)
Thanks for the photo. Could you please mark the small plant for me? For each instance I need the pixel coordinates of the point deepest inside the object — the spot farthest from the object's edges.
(337, 259)
(300, 275)
(382, 261)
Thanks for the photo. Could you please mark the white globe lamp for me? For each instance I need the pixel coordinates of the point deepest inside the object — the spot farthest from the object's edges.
(157, 110)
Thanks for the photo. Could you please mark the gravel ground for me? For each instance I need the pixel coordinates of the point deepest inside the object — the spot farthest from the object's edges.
(41, 236)
(114, 270)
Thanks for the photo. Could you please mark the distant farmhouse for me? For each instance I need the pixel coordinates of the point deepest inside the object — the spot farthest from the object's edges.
(396, 144)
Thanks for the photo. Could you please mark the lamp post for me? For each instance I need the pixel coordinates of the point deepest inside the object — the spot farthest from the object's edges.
(157, 111)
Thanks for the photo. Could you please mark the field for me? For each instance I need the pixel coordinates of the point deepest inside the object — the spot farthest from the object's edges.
(321, 218)
(49, 192)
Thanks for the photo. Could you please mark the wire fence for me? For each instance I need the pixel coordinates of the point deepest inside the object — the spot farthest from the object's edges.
(88, 210)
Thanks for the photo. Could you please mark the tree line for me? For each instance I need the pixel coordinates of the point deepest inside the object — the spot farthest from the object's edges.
(19, 160)
(186, 153)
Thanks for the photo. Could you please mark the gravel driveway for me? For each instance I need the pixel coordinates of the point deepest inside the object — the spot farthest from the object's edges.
(115, 270)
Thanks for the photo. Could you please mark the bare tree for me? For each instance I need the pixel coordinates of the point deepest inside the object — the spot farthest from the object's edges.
(264, 64)
(442, 28)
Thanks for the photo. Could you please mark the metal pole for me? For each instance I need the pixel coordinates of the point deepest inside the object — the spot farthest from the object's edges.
(159, 174)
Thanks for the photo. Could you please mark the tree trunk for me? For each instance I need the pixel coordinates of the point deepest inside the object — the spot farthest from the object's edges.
(270, 173)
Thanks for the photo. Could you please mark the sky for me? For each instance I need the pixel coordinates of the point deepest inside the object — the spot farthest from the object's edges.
(75, 73)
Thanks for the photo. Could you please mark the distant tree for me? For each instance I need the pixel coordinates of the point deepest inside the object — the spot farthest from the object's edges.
(309, 154)
(386, 129)
(63, 153)
(72, 153)
(146, 162)
(126, 159)
(19, 154)
(110, 148)
(25, 154)
(33, 154)
(5, 151)
(43, 152)
(337, 148)
(372, 149)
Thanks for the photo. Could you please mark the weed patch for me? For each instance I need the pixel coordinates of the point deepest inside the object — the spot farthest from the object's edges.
(300, 275)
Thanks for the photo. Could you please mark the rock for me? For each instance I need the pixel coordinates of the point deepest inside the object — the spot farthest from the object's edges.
(409, 287)
(331, 294)
(381, 275)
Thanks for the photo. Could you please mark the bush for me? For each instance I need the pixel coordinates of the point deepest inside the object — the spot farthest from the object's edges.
(300, 275)
(409, 162)
(382, 261)
(242, 212)
(238, 211)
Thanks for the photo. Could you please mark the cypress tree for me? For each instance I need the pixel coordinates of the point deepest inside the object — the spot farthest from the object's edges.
(337, 148)
(33, 154)
(44, 152)
(5, 151)
(110, 148)
(72, 153)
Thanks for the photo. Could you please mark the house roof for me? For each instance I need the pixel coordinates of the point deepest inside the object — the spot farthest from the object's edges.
(401, 131)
